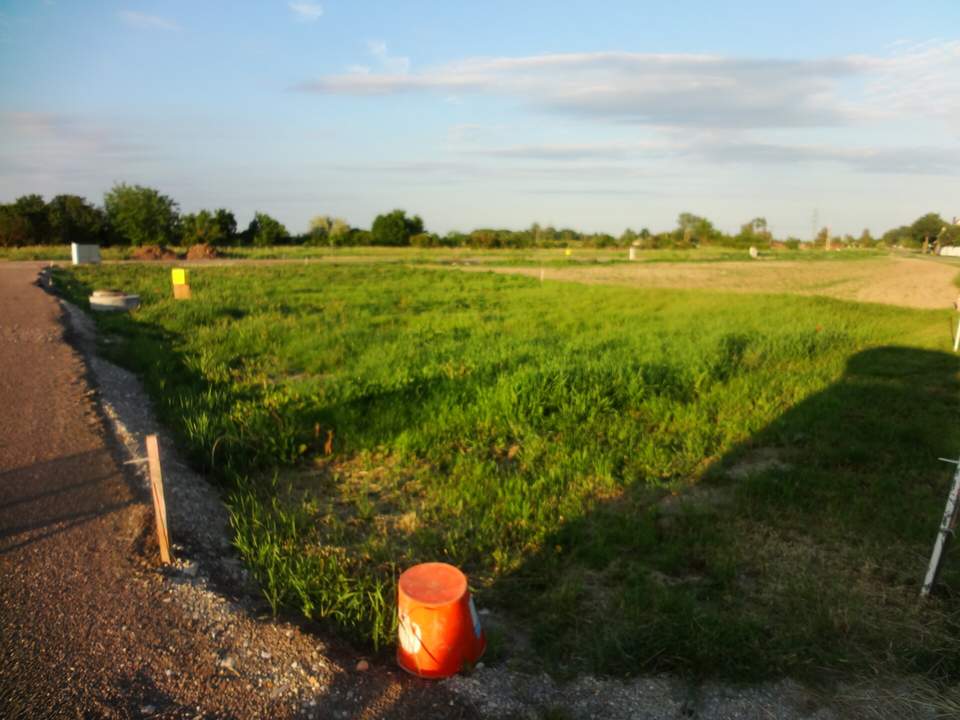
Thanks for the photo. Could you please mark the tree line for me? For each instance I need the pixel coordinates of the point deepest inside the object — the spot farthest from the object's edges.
(137, 215)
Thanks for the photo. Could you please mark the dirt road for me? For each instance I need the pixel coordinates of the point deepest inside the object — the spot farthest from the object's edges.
(89, 627)
(908, 282)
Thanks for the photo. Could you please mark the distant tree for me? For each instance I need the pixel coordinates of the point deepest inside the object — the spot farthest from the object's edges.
(74, 220)
(950, 235)
(899, 237)
(755, 233)
(866, 240)
(339, 233)
(327, 230)
(395, 228)
(424, 240)
(356, 236)
(141, 215)
(536, 233)
(265, 231)
(627, 237)
(213, 228)
(319, 232)
(926, 228)
(34, 212)
(14, 228)
(697, 230)
(227, 223)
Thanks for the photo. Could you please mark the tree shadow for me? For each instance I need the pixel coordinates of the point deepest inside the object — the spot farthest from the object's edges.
(802, 548)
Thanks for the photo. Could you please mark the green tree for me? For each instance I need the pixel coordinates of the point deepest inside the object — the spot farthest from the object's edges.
(327, 230)
(227, 223)
(950, 235)
(899, 237)
(696, 229)
(213, 228)
(142, 215)
(395, 228)
(14, 228)
(33, 210)
(319, 233)
(926, 228)
(264, 231)
(74, 220)
(340, 232)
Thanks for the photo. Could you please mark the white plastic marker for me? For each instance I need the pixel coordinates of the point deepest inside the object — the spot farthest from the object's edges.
(947, 526)
(956, 338)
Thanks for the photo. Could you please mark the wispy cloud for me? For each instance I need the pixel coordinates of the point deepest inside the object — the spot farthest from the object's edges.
(904, 160)
(147, 22)
(40, 147)
(734, 149)
(391, 64)
(693, 91)
(306, 11)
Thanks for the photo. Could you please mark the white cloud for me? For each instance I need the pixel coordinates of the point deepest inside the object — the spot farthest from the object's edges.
(697, 90)
(306, 11)
(392, 65)
(692, 91)
(147, 22)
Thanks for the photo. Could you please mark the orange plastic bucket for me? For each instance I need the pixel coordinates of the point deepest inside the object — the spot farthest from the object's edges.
(439, 629)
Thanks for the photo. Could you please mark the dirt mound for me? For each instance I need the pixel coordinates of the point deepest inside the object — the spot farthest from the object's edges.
(202, 251)
(152, 252)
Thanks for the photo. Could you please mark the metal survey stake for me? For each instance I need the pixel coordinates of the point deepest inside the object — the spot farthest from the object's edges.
(947, 526)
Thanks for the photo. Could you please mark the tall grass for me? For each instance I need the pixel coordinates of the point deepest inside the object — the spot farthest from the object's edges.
(580, 451)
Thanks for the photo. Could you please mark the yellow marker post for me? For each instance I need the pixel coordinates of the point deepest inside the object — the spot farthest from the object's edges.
(181, 288)
(568, 252)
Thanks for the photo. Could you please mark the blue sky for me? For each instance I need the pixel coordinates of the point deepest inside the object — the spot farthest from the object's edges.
(594, 115)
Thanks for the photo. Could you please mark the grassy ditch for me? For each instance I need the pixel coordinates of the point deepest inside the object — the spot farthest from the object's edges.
(638, 480)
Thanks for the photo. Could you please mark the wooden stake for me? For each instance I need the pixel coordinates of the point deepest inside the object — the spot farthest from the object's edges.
(159, 504)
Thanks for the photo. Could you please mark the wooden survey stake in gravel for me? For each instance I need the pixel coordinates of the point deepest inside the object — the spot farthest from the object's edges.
(159, 505)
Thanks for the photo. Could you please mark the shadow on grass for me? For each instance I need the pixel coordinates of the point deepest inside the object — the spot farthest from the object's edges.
(802, 549)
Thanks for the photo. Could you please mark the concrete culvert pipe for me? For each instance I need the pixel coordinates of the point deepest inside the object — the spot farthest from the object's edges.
(113, 301)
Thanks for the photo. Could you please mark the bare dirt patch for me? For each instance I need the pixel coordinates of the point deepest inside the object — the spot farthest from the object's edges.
(202, 251)
(908, 282)
(152, 252)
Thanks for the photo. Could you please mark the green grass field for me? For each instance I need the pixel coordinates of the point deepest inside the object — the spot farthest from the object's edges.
(635, 480)
(550, 257)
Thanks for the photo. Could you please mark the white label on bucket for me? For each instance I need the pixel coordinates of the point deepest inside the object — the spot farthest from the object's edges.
(476, 619)
(410, 634)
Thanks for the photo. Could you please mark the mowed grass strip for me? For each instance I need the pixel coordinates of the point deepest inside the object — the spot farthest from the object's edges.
(635, 480)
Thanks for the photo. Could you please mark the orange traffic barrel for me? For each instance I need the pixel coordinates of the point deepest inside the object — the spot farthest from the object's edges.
(439, 629)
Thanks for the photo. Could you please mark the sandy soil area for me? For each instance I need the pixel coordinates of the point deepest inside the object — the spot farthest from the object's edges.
(908, 282)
